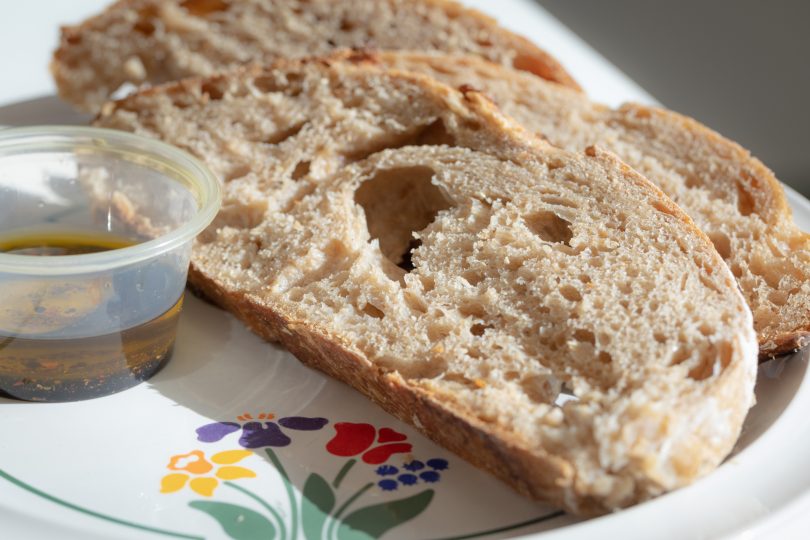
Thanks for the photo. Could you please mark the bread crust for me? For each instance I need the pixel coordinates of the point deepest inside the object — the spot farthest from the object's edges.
(68, 57)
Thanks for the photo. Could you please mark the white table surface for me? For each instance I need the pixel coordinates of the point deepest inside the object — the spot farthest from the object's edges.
(29, 32)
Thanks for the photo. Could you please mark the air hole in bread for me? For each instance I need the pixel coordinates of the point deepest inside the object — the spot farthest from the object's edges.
(693, 181)
(538, 389)
(213, 90)
(558, 201)
(721, 243)
(282, 135)
(778, 297)
(397, 203)
(437, 331)
(478, 329)
(745, 201)
(472, 309)
(604, 357)
(346, 25)
(679, 356)
(473, 277)
(707, 330)
(550, 227)
(415, 302)
(266, 84)
(463, 380)
(144, 27)
(717, 357)
(585, 336)
(301, 170)
(373, 311)
(406, 259)
(237, 170)
(201, 8)
(570, 293)
(709, 284)
(433, 134)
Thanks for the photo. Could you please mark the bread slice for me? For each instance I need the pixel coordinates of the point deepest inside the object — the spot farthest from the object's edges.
(152, 41)
(407, 239)
(731, 195)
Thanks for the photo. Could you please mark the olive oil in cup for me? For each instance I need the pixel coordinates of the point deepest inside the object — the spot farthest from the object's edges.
(96, 229)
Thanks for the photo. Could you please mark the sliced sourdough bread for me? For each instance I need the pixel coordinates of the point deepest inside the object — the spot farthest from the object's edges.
(152, 41)
(407, 239)
(731, 195)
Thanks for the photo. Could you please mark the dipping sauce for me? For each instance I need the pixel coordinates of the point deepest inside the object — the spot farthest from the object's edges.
(51, 348)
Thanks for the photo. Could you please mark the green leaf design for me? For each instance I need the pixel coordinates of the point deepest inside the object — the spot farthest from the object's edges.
(317, 502)
(373, 521)
(240, 523)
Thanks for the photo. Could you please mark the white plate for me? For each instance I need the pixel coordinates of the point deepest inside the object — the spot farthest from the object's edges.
(93, 469)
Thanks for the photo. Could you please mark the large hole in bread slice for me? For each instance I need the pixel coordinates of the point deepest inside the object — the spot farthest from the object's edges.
(550, 227)
(397, 203)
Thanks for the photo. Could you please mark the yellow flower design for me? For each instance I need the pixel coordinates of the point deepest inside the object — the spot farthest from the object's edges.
(197, 470)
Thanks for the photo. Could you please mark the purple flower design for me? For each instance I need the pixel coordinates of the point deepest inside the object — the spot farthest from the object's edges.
(258, 434)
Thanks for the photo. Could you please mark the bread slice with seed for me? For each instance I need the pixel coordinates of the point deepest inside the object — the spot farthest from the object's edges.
(407, 239)
(152, 41)
(731, 195)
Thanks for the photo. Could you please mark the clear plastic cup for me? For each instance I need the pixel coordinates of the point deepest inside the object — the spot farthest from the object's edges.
(96, 228)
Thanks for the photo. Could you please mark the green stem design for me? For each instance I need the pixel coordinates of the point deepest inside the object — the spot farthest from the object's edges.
(342, 473)
(330, 529)
(290, 493)
(547, 517)
(35, 491)
(281, 526)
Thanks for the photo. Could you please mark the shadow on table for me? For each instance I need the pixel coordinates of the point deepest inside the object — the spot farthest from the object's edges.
(41, 110)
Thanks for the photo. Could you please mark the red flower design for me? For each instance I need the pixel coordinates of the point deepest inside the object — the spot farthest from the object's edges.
(353, 439)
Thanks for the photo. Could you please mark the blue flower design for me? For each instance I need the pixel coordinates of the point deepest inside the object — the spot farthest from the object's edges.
(386, 470)
(388, 484)
(414, 465)
(430, 476)
(437, 464)
(428, 472)
(407, 479)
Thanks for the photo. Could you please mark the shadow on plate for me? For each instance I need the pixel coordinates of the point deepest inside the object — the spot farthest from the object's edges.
(778, 381)
(43, 110)
(220, 370)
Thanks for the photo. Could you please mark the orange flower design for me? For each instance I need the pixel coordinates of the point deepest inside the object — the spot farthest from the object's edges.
(201, 475)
